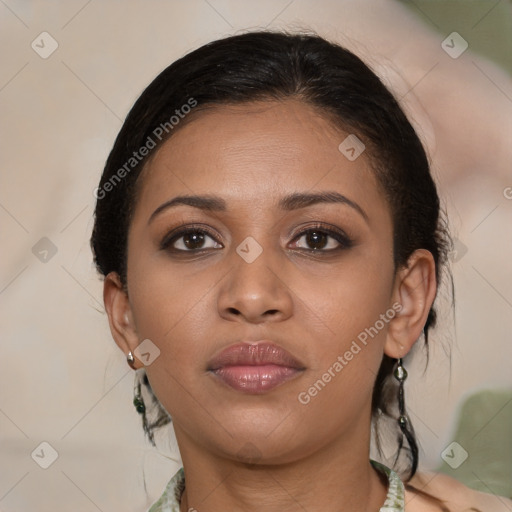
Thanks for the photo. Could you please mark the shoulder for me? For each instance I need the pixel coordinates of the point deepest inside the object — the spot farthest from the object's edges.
(449, 496)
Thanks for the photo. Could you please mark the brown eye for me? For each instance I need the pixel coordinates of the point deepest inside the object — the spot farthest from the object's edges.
(189, 240)
(321, 239)
(316, 239)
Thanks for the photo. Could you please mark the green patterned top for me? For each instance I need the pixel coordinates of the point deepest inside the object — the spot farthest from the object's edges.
(395, 499)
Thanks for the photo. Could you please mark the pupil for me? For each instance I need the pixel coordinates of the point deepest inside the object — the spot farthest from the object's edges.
(314, 238)
(193, 238)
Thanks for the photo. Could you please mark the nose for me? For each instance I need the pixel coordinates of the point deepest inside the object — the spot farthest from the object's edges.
(256, 291)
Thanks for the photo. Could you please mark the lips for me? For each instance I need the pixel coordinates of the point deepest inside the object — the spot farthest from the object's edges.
(255, 367)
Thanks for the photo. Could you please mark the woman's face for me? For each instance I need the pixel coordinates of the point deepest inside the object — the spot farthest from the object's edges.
(249, 271)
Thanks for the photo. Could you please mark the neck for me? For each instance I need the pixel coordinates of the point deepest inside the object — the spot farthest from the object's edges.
(337, 477)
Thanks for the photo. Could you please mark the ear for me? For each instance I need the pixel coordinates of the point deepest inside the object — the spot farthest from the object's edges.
(414, 293)
(120, 317)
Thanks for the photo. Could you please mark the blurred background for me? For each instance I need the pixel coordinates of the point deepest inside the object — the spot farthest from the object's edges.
(69, 435)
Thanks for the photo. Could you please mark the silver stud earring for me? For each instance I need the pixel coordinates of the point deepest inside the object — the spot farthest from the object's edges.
(131, 360)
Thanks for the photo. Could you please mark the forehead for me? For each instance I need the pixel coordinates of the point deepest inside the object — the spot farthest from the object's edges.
(254, 153)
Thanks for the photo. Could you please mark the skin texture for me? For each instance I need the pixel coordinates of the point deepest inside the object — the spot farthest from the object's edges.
(268, 451)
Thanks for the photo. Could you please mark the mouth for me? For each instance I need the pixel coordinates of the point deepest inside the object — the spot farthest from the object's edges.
(255, 367)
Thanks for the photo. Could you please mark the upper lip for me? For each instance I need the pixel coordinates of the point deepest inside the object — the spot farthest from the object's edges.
(254, 353)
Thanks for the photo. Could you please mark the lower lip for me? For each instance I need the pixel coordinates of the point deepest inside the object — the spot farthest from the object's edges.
(255, 379)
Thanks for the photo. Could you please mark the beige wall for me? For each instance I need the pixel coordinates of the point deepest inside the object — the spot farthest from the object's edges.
(62, 379)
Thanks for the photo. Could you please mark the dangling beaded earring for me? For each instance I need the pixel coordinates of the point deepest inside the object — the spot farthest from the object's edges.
(400, 374)
(138, 401)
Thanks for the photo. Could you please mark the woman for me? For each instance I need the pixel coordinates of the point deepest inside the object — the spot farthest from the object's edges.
(271, 241)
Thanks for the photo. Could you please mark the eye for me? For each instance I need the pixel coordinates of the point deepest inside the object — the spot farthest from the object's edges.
(317, 238)
(189, 239)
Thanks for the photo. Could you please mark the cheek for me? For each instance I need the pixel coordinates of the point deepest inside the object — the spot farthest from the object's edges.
(349, 345)
(171, 309)
(345, 302)
(171, 312)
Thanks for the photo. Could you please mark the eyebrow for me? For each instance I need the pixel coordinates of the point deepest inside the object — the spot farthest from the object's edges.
(290, 202)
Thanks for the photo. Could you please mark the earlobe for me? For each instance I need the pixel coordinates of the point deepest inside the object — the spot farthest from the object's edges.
(120, 317)
(415, 291)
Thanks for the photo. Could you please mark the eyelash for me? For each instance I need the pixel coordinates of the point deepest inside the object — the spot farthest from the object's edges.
(338, 235)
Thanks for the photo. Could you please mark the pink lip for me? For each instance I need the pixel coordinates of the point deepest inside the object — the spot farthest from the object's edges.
(255, 367)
